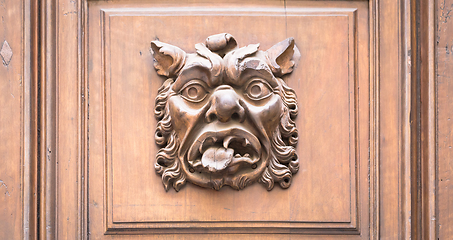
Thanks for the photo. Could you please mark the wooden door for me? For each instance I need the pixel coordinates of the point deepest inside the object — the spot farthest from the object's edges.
(331, 144)
(107, 124)
(106, 144)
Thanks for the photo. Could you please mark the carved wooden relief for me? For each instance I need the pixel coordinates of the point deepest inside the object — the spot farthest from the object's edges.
(329, 192)
(225, 115)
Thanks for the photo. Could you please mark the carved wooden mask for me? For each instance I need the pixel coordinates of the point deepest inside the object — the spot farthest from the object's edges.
(225, 115)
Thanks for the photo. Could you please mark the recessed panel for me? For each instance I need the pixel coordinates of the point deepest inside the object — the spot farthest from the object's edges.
(323, 193)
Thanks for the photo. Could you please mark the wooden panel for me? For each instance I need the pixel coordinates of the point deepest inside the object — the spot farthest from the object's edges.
(17, 215)
(68, 82)
(444, 89)
(326, 82)
(393, 119)
(428, 112)
(129, 144)
(355, 45)
(93, 102)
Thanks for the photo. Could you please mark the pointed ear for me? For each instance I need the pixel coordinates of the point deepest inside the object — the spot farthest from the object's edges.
(282, 57)
(168, 59)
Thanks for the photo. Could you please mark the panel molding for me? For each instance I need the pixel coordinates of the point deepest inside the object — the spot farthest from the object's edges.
(153, 227)
(374, 120)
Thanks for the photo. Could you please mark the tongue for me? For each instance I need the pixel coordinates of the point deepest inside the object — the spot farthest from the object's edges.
(217, 158)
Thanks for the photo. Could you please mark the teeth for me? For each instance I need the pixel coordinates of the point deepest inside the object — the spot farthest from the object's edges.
(247, 155)
(207, 143)
(227, 141)
(237, 155)
(200, 149)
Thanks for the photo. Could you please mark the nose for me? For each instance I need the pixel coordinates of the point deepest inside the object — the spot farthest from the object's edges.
(225, 106)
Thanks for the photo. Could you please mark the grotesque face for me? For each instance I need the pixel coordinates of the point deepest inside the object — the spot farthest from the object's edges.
(225, 115)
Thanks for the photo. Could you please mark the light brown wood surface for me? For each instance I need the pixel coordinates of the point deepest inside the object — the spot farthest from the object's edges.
(11, 126)
(77, 120)
(350, 101)
(17, 188)
(331, 188)
(444, 98)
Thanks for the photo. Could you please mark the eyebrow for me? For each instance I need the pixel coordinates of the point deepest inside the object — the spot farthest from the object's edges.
(195, 70)
(256, 68)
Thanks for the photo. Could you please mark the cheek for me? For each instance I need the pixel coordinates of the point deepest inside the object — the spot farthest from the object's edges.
(269, 113)
(183, 116)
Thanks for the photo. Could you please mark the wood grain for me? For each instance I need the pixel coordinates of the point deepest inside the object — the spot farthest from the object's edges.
(394, 131)
(444, 89)
(18, 116)
(81, 127)
(375, 134)
(125, 192)
(428, 105)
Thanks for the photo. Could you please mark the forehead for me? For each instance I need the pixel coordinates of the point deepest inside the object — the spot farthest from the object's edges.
(233, 69)
(195, 67)
(248, 68)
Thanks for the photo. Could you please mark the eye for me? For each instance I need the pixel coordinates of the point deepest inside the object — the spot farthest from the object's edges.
(194, 91)
(258, 89)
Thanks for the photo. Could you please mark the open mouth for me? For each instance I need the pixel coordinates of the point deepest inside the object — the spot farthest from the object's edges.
(228, 149)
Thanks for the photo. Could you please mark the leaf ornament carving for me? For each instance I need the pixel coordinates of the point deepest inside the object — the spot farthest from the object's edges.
(168, 59)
